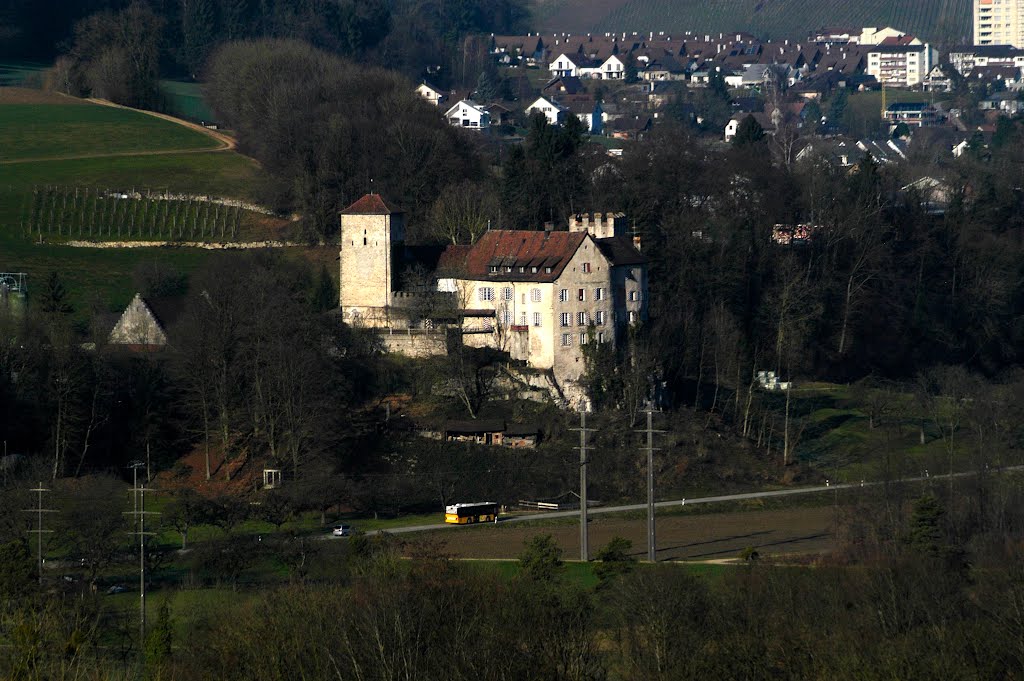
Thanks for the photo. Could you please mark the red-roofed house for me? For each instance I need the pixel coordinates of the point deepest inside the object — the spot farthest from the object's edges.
(550, 292)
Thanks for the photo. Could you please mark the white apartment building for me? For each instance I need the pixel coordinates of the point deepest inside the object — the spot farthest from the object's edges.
(901, 65)
(999, 22)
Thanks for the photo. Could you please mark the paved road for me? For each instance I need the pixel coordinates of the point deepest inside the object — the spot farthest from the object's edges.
(680, 502)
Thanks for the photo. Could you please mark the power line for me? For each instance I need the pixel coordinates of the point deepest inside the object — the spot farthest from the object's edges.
(39, 531)
(139, 514)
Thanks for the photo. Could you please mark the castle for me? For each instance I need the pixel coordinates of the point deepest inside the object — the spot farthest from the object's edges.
(537, 295)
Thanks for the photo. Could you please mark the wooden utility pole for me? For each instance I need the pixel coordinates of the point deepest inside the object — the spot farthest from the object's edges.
(584, 536)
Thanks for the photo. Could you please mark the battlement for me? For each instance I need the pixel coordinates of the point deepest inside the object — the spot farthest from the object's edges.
(599, 225)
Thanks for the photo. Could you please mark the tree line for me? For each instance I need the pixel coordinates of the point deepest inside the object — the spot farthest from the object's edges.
(257, 368)
(116, 49)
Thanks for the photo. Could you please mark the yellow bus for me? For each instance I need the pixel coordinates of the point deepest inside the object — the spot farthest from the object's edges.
(478, 512)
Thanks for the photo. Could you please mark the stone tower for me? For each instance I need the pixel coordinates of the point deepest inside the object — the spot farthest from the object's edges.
(372, 240)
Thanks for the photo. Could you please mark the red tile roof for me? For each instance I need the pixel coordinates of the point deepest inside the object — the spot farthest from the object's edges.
(513, 248)
(369, 204)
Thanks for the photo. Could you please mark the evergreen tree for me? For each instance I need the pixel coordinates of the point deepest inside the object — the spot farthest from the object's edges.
(541, 560)
(160, 638)
(325, 292)
(198, 26)
(514, 187)
(837, 109)
(925, 529)
(485, 89)
(54, 300)
(614, 559)
(748, 133)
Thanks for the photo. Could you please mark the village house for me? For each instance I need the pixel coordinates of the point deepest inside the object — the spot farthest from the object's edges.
(911, 113)
(939, 79)
(552, 110)
(469, 114)
(495, 432)
(763, 119)
(965, 58)
(430, 93)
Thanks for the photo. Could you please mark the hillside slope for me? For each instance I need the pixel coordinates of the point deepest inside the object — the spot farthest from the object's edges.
(945, 22)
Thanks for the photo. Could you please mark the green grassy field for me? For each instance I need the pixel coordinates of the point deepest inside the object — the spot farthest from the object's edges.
(34, 131)
(34, 126)
(931, 19)
(16, 73)
(185, 100)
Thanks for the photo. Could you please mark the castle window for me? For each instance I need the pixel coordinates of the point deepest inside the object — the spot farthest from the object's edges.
(506, 293)
(599, 318)
(566, 340)
(632, 317)
(598, 294)
(493, 269)
(586, 268)
(536, 319)
(634, 296)
(535, 295)
(600, 336)
(364, 240)
(563, 295)
(566, 319)
(522, 319)
(486, 293)
(583, 338)
(581, 318)
(581, 295)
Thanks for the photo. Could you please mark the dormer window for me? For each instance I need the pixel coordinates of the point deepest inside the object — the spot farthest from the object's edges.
(522, 270)
(547, 270)
(508, 270)
(533, 270)
(493, 269)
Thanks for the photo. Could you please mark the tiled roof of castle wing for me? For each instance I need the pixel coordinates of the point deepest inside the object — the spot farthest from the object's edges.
(620, 251)
(513, 249)
(369, 204)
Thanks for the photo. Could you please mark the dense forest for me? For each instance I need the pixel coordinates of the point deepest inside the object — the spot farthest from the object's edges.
(404, 34)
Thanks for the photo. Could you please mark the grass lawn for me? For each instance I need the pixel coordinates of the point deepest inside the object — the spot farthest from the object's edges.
(32, 131)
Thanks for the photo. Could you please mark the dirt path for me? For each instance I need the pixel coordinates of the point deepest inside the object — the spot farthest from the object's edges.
(717, 536)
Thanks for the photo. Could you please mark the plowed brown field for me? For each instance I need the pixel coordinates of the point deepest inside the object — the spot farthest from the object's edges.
(690, 537)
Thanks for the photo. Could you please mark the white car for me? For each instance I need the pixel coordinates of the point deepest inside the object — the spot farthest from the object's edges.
(342, 530)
